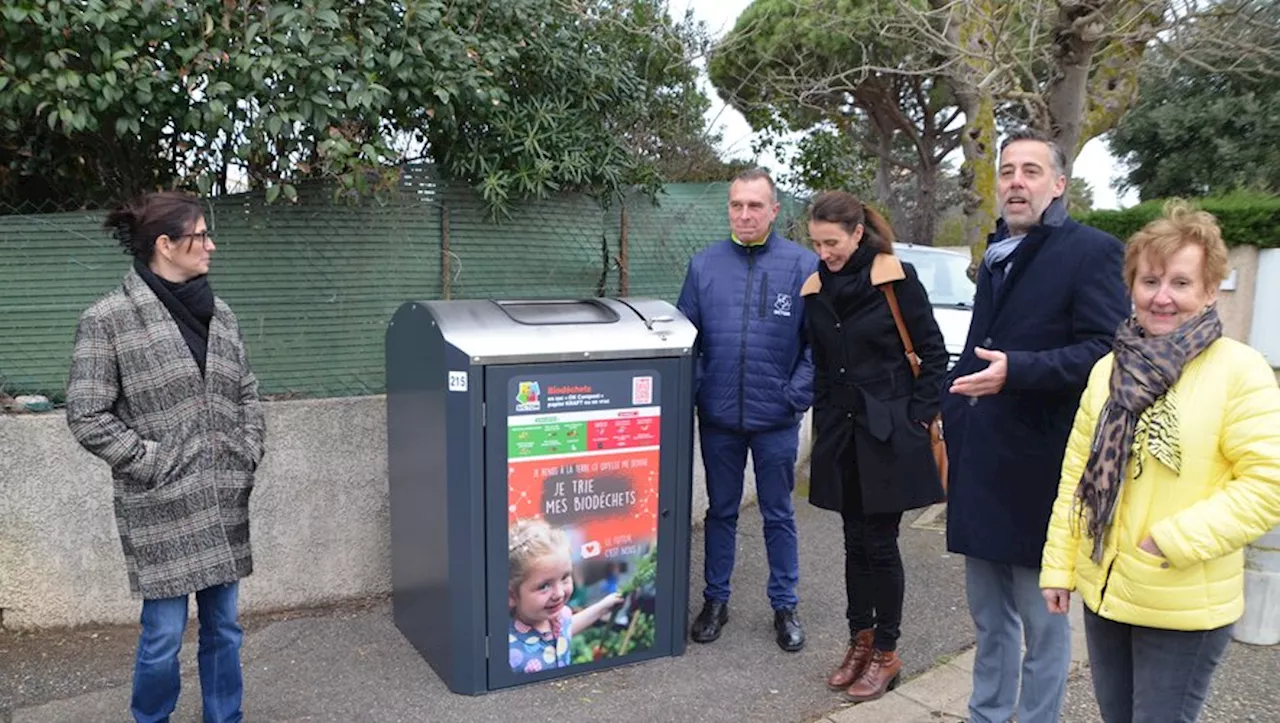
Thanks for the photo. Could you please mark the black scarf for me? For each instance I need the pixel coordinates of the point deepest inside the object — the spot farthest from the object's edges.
(190, 304)
(1145, 368)
(841, 287)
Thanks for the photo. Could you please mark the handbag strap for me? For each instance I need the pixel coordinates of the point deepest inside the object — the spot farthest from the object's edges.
(912, 359)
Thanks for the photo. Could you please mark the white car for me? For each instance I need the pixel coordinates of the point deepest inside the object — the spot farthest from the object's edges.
(944, 275)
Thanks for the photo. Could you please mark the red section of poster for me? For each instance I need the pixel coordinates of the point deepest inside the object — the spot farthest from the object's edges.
(623, 433)
(610, 500)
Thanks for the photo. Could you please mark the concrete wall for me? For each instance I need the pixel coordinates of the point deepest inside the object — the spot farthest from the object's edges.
(1247, 307)
(319, 516)
(1236, 304)
(1265, 336)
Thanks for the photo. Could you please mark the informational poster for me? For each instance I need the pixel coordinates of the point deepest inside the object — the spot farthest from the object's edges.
(582, 489)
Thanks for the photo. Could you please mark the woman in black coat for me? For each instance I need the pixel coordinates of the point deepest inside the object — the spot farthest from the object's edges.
(872, 456)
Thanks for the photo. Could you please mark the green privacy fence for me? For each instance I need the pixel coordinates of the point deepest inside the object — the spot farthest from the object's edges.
(314, 283)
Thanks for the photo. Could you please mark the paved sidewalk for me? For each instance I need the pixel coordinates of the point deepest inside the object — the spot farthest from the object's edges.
(942, 694)
(351, 664)
(1243, 689)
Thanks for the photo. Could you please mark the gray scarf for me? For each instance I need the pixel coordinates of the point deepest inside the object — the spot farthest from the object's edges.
(998, 251)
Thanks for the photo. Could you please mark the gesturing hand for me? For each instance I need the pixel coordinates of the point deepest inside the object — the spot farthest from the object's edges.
(986, 382)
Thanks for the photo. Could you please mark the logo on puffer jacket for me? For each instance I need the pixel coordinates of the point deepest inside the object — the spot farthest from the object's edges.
(782, 305)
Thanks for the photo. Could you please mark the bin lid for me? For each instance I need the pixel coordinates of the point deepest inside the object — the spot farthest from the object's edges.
(515, 331)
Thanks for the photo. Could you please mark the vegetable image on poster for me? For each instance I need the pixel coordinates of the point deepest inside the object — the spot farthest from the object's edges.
(583, 454)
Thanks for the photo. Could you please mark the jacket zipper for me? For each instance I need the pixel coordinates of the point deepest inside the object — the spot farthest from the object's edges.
(1106, 581)
(764, 288)
(742, 354)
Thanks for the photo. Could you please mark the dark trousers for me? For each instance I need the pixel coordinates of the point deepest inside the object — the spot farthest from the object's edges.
(873, 577)
(724, 455)
(1150, 675)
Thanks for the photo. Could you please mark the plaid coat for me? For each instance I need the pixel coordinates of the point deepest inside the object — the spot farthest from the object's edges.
(182, 448)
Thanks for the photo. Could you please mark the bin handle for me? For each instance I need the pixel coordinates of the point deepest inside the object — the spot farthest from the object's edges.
(650, 321)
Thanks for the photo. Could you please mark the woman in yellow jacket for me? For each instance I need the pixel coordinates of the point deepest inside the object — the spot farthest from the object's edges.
(1172, 467)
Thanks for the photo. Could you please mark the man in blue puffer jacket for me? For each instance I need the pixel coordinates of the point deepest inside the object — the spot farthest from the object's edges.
(755, 381)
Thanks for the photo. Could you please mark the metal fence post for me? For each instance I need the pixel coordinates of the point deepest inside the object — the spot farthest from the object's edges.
(446, 272)
(624, 273)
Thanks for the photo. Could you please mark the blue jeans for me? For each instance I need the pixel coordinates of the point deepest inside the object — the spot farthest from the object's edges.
(724, 455)
(156, 680)
(1006, 605)
(1150, 675)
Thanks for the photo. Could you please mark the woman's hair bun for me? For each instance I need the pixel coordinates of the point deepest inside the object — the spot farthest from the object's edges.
(123, 223)
(137, 224)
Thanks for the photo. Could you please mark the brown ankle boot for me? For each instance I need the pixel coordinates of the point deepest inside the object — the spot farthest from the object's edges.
(856, 659)
(880, 677)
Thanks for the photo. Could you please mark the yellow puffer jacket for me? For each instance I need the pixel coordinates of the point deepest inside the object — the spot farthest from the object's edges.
(1227, 495)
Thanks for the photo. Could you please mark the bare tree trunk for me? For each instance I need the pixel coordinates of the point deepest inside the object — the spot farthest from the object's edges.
(1069, 86)
(1096, 79)
(967, 29)
(884, 181)
(884, 176)
(932, 144)
(1112, 91)
(925, 225)
(978, 173)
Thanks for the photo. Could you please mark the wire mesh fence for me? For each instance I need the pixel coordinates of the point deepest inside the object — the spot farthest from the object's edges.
(314, 283)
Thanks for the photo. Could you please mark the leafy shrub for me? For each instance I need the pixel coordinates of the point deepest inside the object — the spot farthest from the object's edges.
(1247, 219)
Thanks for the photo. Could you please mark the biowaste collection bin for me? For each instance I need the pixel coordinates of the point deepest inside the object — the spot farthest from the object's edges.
(555, 434)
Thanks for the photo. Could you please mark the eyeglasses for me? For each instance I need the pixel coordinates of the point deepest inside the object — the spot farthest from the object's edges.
(203, 237)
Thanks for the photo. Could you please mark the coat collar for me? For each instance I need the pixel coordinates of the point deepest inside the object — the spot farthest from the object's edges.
(149, 306)
(885, 269)
(773, 239)
(160, 325)
(1052, 218)
(1052, 221)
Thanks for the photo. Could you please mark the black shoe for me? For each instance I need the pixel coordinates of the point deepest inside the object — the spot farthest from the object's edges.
(709, 623)
(790, 634)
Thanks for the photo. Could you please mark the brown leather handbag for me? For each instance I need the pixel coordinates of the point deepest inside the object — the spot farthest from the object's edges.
(935, 426)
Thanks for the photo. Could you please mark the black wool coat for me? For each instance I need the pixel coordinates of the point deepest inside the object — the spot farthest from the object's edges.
(869, 411)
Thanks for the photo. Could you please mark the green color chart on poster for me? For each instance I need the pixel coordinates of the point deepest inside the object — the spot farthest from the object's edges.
(546, 439)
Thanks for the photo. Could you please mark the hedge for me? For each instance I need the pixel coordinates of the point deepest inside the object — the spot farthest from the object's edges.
(1246, 219)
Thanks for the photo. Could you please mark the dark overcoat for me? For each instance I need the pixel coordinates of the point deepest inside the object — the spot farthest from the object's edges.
(868, 408)
(1055, 314)
(182, 446)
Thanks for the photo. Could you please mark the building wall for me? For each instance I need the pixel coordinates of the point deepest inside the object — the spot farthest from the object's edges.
(319, 516)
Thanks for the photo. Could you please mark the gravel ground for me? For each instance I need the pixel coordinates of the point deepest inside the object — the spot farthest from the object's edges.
(1244, 690)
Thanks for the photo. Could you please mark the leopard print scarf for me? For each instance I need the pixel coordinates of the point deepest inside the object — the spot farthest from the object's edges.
(1138, 408)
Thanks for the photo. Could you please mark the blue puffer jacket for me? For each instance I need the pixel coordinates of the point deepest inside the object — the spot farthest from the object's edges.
(755, 372)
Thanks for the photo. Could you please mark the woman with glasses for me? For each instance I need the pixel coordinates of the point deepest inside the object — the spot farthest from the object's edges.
(160, 389)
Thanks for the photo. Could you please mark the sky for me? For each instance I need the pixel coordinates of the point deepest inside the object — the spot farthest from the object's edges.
(1094, 164)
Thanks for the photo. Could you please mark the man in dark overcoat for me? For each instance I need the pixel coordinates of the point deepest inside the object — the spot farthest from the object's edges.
(1050, 298)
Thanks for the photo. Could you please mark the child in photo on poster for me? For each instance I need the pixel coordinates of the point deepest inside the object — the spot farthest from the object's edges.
(539, 588)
